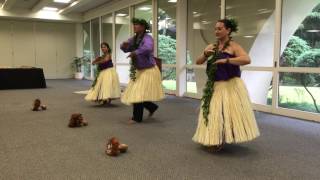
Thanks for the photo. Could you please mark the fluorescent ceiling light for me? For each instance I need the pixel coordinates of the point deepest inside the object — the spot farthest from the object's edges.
(172, 1)
(248, 36)
(196, 14)
(121, 14)
(144, 8)
(265, 11)
(62, 1)
(74, 3)
(262, 9)
(313, 30)
(205, 22)
(49, 9)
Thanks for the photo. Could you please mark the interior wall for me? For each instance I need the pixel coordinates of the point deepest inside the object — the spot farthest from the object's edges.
(47, 45)
(6, 58)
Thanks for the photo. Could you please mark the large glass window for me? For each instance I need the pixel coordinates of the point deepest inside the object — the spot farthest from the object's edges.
(256, 28)
(300, 91)
(202, 16)
(256, 35)
(169, 78)
(167, 32)
(86, 48)
(300, 38)
(122, 34)
(167, 41)
(144, 11)
(122, 23)
(106, 25)
(124, 76)
(95, 37)
(195, 84)
(260, 92)
(300, 47)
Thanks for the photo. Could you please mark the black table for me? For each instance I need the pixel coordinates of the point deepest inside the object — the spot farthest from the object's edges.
(22, 78)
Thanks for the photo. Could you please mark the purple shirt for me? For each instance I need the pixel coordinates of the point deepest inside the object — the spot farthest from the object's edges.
(144, 52)
(227, 71)
(105, 65)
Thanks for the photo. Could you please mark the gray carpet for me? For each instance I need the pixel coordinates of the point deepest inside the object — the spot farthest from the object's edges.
(39, 145)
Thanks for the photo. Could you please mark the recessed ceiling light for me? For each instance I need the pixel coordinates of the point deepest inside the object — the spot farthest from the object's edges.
(313, 30)
(144, 8)
(121, 14)
(62, 1)
(50, 9)
(172, 1)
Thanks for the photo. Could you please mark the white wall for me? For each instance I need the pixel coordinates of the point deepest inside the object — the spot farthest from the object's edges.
(6, 58)
(50, 46)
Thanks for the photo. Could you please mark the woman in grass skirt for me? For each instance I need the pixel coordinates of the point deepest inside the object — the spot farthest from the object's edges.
(226, 114)
(106, 86)
(145, 78)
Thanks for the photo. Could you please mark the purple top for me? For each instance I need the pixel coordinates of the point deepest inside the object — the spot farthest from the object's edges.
(105, 65)
(144, 52)
(227, 71)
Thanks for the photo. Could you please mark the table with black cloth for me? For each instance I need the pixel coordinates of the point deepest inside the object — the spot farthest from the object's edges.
(22, 78)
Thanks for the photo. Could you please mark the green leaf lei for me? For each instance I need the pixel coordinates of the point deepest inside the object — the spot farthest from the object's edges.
(96, 78)
(133, 70)
(133, 67)
(210, 71)
(97, 72)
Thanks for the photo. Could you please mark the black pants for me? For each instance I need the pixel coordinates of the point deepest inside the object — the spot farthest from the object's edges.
(138, 109)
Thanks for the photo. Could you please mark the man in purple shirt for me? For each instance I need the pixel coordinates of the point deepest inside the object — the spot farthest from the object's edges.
(145, 84)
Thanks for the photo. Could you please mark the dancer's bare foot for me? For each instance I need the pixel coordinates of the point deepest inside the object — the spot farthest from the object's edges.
(131, 121)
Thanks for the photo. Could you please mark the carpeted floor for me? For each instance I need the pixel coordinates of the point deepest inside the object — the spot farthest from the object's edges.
(39, 145)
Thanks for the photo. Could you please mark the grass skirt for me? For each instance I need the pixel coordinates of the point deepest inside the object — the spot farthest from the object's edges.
(146, 87)
(107, 86)
(231, 118)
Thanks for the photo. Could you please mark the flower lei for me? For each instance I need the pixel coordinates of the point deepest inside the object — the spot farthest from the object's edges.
(210, 71)
(133, 67)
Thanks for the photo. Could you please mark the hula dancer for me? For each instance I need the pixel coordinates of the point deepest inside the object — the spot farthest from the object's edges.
(145, 78)
(106, 86)
(226, 115)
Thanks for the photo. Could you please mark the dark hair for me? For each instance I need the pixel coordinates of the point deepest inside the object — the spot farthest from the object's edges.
(106, 44)
(230, 24)
(141, 22)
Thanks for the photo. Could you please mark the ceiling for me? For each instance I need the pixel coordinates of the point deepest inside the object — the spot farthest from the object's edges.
(15, 7)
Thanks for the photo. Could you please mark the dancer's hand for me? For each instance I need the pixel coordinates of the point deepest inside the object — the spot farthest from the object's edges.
(132, 55)
(125, 45)
(208, 52)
